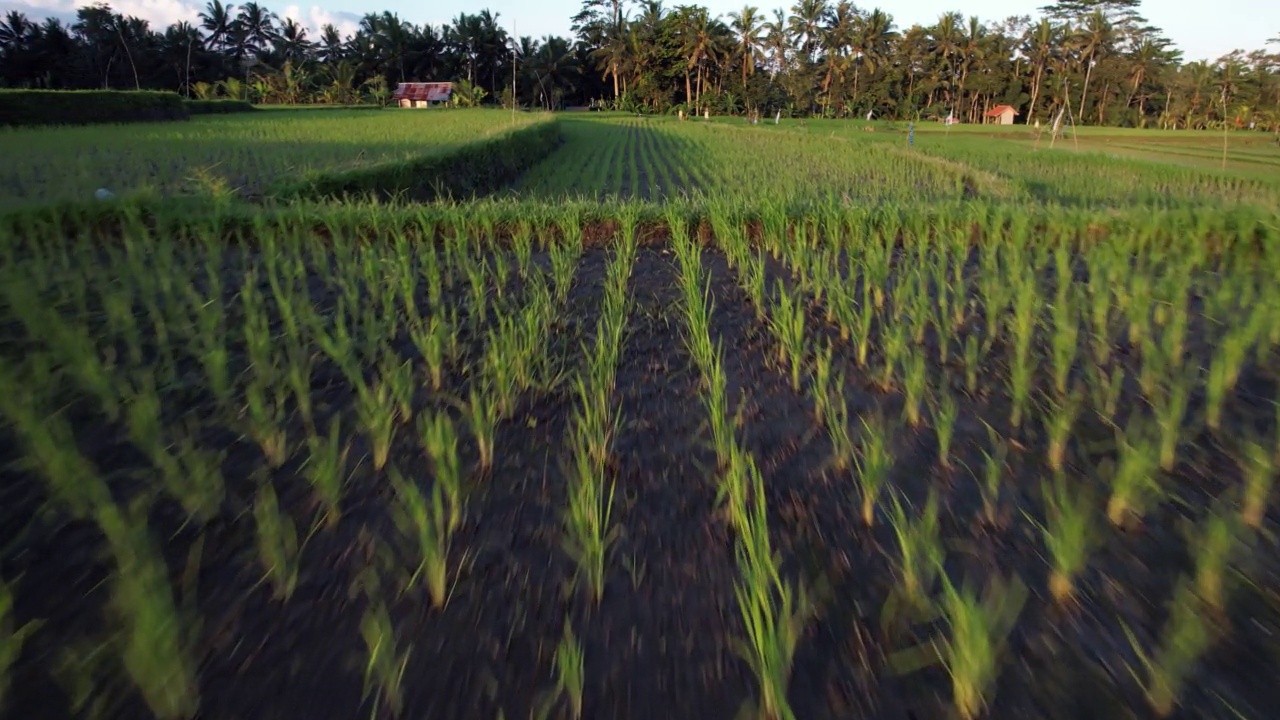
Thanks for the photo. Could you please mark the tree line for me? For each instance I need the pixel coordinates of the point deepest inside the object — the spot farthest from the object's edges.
(1095, 62)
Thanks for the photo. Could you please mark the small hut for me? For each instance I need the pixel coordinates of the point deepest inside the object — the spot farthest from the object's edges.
(1001, 115)
(422, 94)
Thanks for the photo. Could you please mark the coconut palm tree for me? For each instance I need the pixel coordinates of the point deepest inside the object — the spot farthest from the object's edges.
(805, 25)
(1091, 41)
(747, 26)
(216, 20)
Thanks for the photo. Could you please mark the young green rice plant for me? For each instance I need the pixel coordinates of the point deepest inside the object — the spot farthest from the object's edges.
(787, 324)
(11, 639)
(1066, 327)
(482, 419)
(1184, 639)
(1105, 388)
(973, 358)
(588, 531)
(915, 381)
(376, 411)
(1224, 371)
(193, 476)
(977, 632)
(265, 415)
(863, 319)
(325, 470)
(385, 663)
(836, 419)
(299, 364)
(773, 612)
(993, 472)
(1022, 328)
(1062, 418)
(1134, 484)
(440, 441)
(945, 413)
(874, 461)
(570, 677)
(1259, 467)
(153, 644)
(435, 340)
(424, 519)
(1170, 407)
(716, 401)
(277, 539)
(822, 389)
(895, 347)
(1068, 532)
(920, 551)
(1213, 545)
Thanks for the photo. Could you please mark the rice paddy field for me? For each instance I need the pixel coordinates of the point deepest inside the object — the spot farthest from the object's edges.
(689, 420)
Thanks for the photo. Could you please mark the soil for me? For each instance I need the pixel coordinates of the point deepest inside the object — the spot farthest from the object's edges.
(659, 644)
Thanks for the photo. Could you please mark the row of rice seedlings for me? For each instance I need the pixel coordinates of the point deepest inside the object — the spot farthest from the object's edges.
(588, 534)
(148, 635)
(774, 611)
(1196, 611)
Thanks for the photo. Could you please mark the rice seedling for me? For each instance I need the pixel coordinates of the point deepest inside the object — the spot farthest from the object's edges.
(1061, 420)
(915, 383)
(152, 643)
(589, 534)
(377, 411)
(482, 418)
(1259, 468)
(920, 553)
(836, 420)
(1213, 544)
(977, 632)
(436, 342)
(1068, 533)
(822, 388)
(440, 442)
(570, 677)
(993, 472)
(325, 471)
(874, 461)
(277, 539)
(385, 662)
(787, 323)
(773, 612)
(1170, 408)
(1022, 329)
(1065, 326)
(945, 413)
(1184, 639)
(973, 358)
(12, 639)
(1133, 483)
(424, 519)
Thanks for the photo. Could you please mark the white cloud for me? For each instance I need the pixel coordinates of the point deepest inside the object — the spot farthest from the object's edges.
(163, 13)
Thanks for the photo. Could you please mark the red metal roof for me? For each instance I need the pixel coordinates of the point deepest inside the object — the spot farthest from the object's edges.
(423, 91)
(999, 110)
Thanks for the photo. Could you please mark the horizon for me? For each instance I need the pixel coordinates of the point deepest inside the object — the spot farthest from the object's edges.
(1199, 37)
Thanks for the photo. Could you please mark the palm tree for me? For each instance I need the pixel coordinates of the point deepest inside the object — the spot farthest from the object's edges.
(611, 56)
(555, 68)
(254, 29)
(872, 43)
(777, 41)
(1038, 45)
(291, 43)
(216, 20)
(1092, 40)
(747, 26)
(805, 25)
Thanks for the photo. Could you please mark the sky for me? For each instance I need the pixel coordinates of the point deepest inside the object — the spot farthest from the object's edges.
(1200, 31)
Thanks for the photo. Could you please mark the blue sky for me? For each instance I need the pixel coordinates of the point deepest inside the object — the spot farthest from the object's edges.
(1201, 30)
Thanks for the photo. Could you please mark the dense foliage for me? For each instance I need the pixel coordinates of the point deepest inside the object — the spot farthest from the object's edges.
(44, 107)
(1098, 60)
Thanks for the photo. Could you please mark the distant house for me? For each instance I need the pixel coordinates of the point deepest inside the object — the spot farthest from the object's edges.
(1001, 115)
(422, 94)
